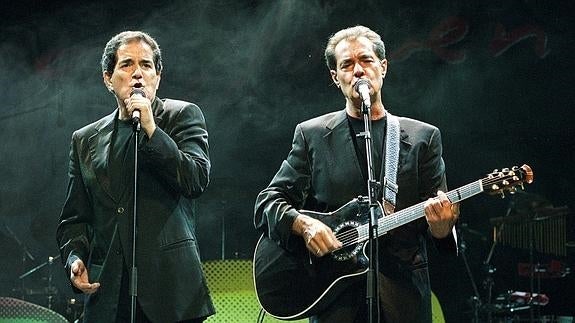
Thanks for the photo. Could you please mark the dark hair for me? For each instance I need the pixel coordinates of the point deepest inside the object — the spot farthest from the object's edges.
(352, 33)
(109, 55)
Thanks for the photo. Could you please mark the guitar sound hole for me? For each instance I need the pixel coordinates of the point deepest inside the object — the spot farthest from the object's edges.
(347, 234)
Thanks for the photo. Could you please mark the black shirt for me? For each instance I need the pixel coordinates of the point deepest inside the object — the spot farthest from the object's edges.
(121, 157)
(378, 128)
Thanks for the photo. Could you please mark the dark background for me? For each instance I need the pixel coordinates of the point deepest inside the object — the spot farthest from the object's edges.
(495, 77)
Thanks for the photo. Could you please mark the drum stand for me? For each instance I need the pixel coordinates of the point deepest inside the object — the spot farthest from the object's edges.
(50, 290)
(475, 300)
(488, 282)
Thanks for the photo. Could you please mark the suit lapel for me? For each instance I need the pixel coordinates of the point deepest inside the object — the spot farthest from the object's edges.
(158, 108)
(403, 141)
(341, 147)
(99, 144)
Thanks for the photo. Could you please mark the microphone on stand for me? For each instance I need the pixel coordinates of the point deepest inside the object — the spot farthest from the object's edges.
(136, 113)
(362, 88)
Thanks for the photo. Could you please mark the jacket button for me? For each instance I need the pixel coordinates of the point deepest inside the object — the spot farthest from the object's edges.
(118, 252)
(120, 210)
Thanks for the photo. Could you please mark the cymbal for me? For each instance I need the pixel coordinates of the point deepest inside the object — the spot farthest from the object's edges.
(536, 214)
(546, 212)
(41, 291)
(472, 232)
(523, 202)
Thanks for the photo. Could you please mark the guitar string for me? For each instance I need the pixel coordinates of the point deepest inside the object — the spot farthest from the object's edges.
(358, 234)
(354, 236)
(351, 237)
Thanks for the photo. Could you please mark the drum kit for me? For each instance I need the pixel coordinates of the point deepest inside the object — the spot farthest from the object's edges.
(35, 292)
(539, 231)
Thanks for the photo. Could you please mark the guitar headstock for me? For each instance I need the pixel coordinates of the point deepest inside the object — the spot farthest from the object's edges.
(507, 180)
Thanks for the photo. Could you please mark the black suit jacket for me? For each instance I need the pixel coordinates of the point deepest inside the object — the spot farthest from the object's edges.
(96, 223)
(322, 172)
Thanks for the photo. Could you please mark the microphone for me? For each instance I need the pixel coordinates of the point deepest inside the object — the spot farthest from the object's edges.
(136, 113)
(362, 88)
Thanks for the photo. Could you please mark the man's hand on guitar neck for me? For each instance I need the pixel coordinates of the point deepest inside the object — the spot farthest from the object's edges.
(319, 238)
(441, 215)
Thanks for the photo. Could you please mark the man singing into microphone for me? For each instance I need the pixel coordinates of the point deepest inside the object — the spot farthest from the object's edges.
(327, 167)
(95, 232)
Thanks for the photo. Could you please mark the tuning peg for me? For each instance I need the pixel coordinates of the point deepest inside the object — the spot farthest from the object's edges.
(496, 189)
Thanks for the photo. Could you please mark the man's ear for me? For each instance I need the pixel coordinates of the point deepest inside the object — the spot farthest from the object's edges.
(158, 82)
(108, 82)
(384, 67)
(333, 74)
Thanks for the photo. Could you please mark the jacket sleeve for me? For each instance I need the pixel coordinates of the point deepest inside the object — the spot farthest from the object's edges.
(178, 151)
(276, 206)
(72, 233)
(433, 179)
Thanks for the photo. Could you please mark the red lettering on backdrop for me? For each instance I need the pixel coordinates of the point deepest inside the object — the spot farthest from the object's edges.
(450, 31)
(453, 29)
(503, 40)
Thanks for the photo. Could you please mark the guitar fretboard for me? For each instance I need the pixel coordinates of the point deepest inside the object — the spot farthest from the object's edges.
(399, 218)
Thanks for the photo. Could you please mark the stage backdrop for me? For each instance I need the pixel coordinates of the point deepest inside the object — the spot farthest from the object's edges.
(495, 77)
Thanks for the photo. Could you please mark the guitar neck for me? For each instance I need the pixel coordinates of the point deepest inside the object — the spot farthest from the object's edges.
(399, 218)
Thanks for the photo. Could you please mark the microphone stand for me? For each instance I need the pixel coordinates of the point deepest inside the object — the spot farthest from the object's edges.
(134, 270)
(373, 186)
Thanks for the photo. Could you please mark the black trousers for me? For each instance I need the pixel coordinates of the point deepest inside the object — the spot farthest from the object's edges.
(399, 302)
(125, 305)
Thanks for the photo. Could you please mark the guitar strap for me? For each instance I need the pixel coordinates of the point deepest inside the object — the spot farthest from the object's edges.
(390, 187)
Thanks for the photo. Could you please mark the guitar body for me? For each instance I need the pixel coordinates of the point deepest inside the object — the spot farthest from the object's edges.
(295, 285)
